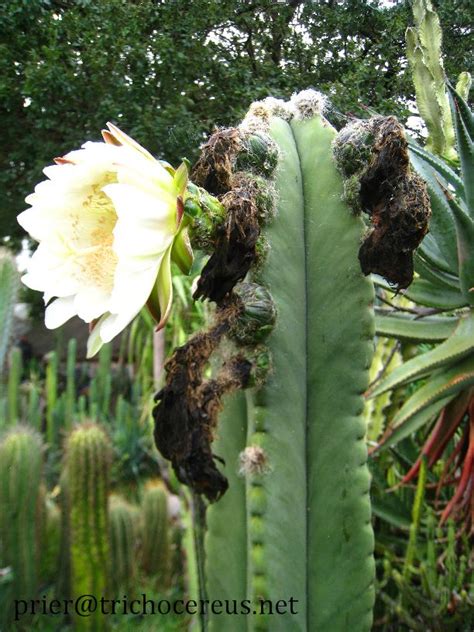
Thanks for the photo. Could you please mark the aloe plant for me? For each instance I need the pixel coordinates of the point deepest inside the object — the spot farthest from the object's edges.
(445, 265)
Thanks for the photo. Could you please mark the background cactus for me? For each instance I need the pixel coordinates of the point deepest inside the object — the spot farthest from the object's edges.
(124, 528)
(87, 466)
(51, 541)
(298, 523)
(426, 61)
(21, 461)
(9, 286)
(155, 555)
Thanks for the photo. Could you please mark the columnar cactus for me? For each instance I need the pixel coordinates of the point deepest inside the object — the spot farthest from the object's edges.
(51, 541)
(21, 462)
(123, 524)
(294, 326)
(299, 520)
(156, 533)
(9, 285)
(87, 467)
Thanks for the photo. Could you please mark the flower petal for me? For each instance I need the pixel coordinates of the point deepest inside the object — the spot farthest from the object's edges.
(132, 288)
(125, 139)
(95, 342)
(59, 312)
(91, 302)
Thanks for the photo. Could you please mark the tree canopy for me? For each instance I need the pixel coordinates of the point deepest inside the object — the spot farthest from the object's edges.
(167, 71)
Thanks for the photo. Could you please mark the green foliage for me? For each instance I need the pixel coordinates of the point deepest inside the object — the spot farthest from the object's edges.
(87, 468)
(21, 462)
(167, 81)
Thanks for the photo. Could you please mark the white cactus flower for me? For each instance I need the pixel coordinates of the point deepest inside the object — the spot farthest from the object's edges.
(108, 220)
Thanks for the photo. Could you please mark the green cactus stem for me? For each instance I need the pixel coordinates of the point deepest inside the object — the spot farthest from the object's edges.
(51, 541)
(21, 463)
(87, 467)
(14, 381)
(70, 383)
(9, 286)
(156, 533)
(300, 527)
(123, 526)
(51, 398)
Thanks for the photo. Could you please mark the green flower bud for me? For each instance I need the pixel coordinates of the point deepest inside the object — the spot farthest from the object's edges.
(257, 318)
(258, 154)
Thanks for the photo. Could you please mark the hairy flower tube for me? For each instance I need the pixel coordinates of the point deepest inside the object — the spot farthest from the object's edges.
(109, 220)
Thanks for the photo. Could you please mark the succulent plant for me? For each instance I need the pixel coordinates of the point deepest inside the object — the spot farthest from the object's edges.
(445, 285)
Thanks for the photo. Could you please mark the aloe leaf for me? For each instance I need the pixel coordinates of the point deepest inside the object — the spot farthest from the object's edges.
(441, 167)
(442, 227)
(407, 327)
(464, 125)
(444, 384)
(431, 252)
(423, 292)
(465, 244)
(414, 423)
(457, 346)
(392, 511)
(435, 276)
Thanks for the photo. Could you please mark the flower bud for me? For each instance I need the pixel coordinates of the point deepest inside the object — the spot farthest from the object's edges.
(258, 314)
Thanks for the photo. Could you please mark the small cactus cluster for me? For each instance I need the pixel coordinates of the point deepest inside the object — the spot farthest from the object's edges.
(86, 540)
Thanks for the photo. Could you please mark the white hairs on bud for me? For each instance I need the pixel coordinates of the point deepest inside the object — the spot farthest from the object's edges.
(280, 108)
(308, 103)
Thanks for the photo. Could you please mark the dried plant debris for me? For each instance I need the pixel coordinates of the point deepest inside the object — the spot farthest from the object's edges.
(372, 157)
(235, 249)
(213, 171)
(187, 407)
(235, 166)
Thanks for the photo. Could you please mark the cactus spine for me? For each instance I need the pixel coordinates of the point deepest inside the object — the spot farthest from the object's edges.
(156, 536)
(21, 462)
(9, 284)
(307, 532)
(87, 466)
